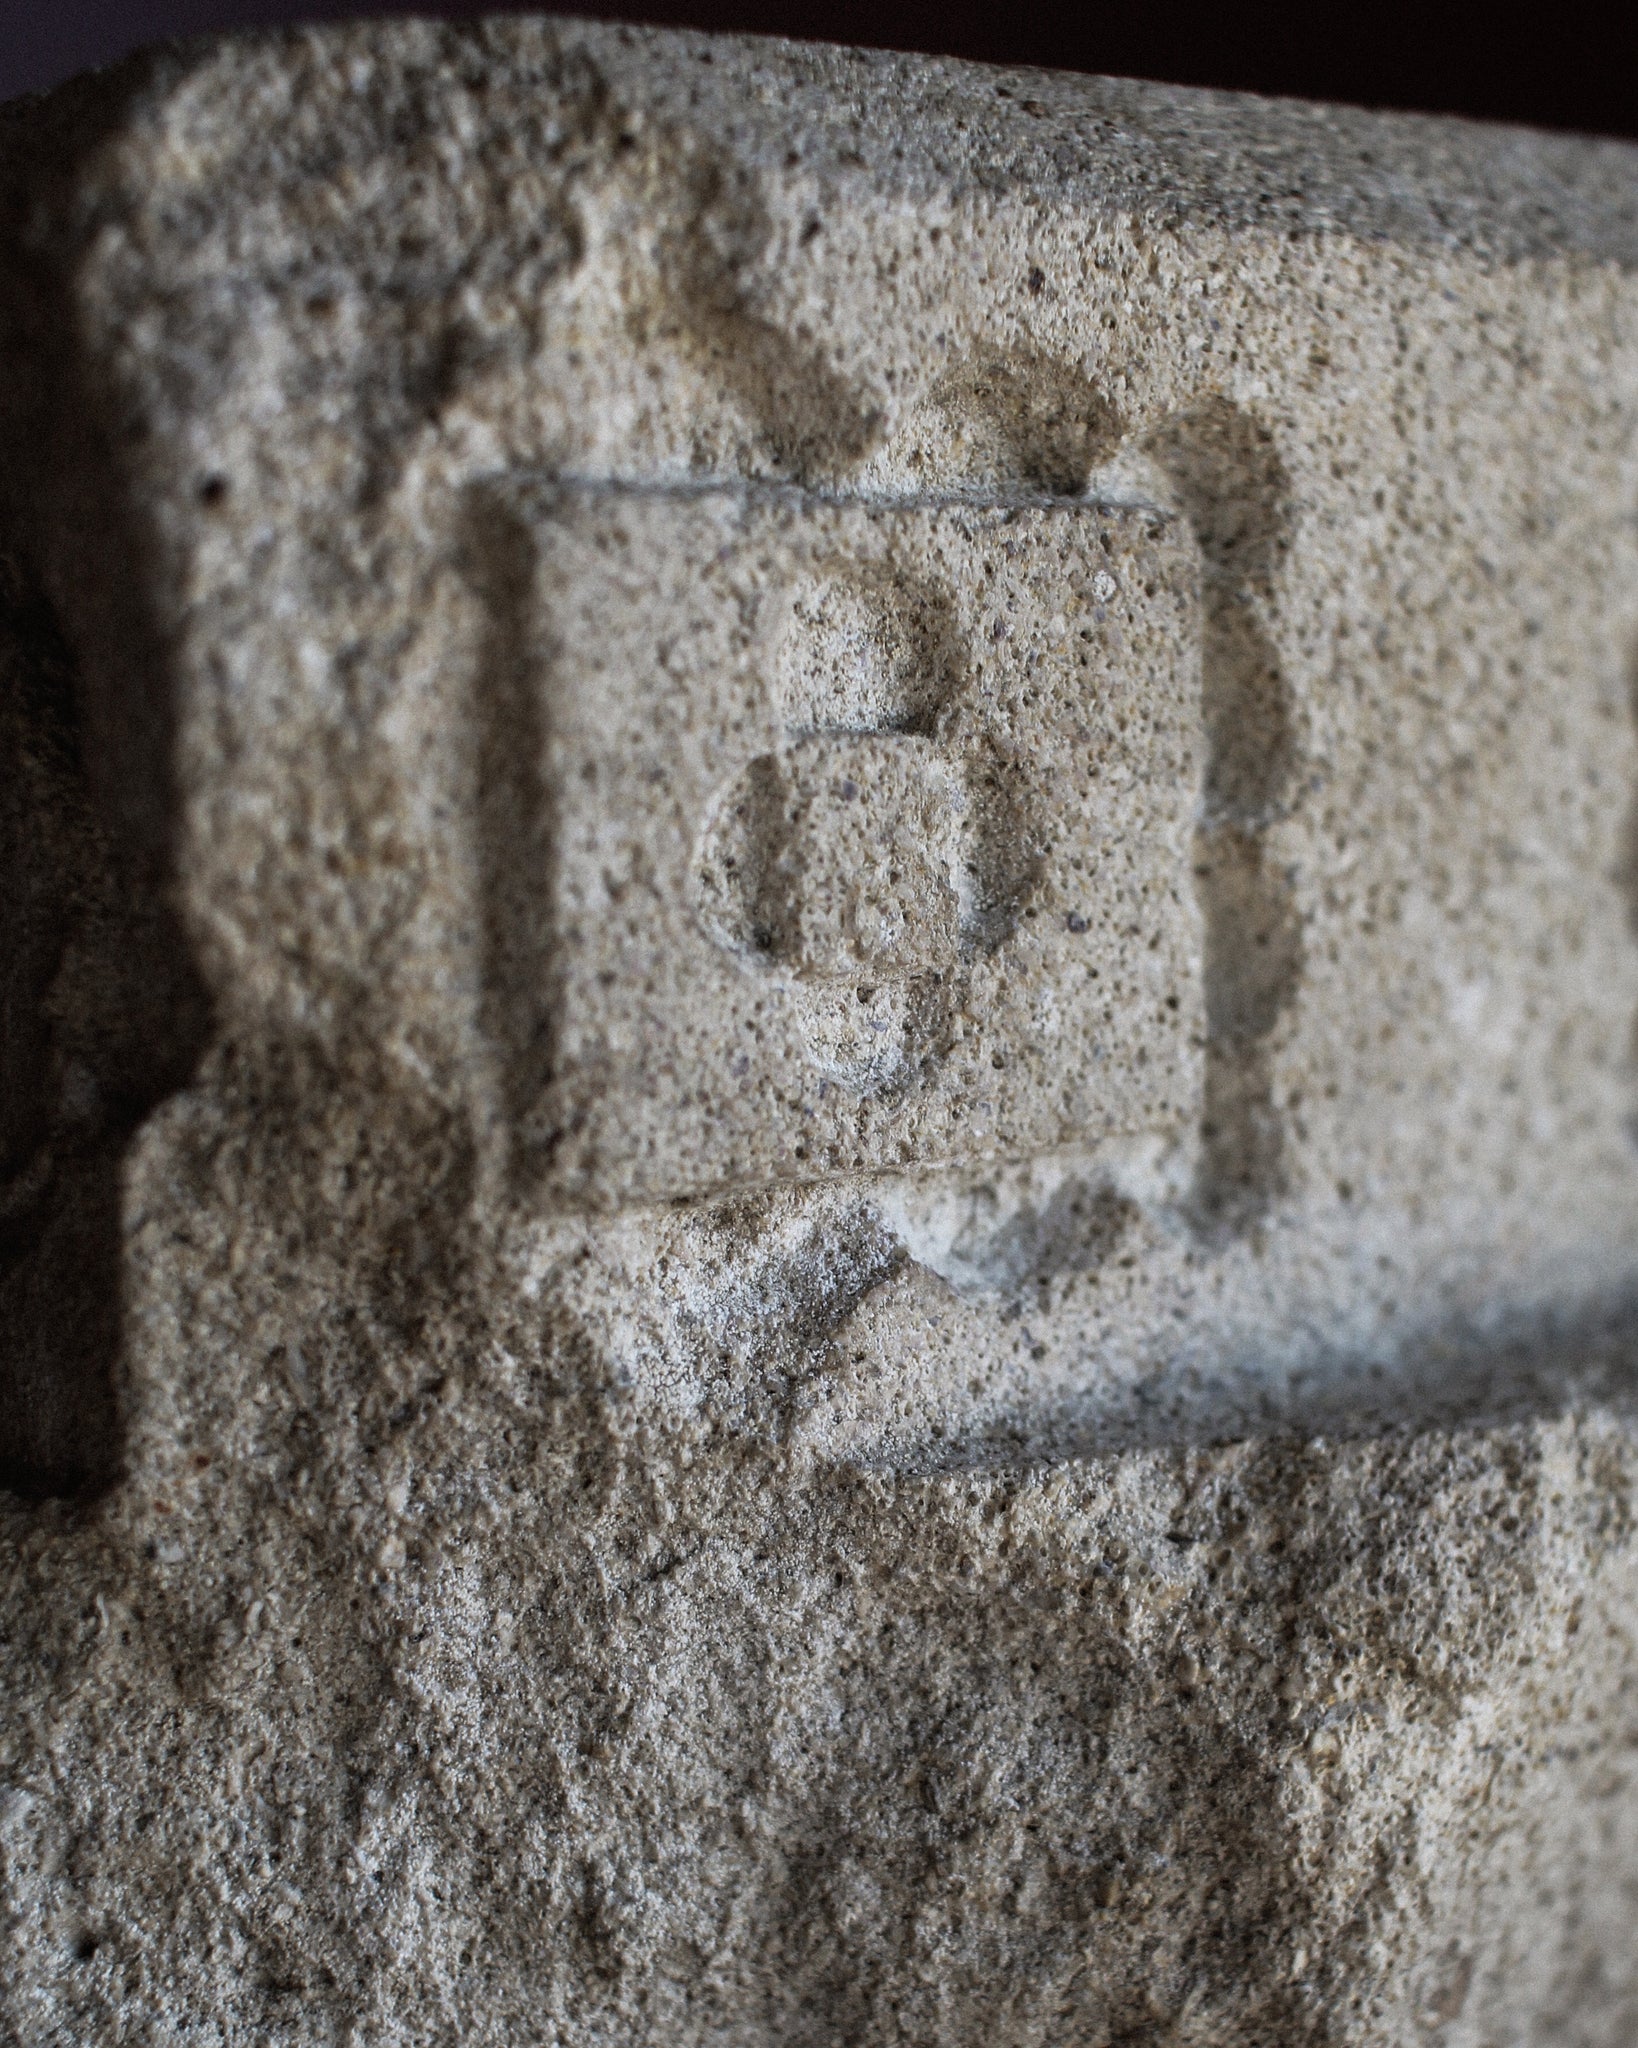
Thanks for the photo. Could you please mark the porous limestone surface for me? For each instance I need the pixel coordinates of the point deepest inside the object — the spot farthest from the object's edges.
(818, 1198)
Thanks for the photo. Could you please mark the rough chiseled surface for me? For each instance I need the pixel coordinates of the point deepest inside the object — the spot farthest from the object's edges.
(817, 998)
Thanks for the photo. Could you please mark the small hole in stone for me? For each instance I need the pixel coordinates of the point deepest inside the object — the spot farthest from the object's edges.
(213, 490)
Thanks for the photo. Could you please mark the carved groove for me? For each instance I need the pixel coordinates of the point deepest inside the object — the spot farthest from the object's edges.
(866, 858)
(812, 423)
(515, 839)
(1627, 879)
(1230, 484)
(1024, 423)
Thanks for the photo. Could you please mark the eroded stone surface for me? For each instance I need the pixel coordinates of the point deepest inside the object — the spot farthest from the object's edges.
(817, 1080)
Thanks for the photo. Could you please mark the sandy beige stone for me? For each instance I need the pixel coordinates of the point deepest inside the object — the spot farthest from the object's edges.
(817, 1164)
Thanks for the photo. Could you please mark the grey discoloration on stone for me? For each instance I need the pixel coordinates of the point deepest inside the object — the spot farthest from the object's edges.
(817, 1093)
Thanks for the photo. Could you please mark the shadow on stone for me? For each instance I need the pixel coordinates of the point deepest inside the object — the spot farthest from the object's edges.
(1231, 486)
(102, 1011)
(1627, 875)
(515, 829)
(99, 1019)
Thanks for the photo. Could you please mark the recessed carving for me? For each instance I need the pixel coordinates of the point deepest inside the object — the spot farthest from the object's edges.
(102, 1019)
(870, 837)
(860, 652)
(854, 859)
(845, 856)
(1229, 482)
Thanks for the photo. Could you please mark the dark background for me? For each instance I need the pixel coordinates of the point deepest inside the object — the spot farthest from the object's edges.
(1571, 67)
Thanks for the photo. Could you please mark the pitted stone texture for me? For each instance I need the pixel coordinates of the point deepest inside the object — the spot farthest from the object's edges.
(478, 1711)
(864, 836)
(505, 535)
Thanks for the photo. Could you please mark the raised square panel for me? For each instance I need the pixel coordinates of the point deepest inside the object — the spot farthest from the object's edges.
(863, 837)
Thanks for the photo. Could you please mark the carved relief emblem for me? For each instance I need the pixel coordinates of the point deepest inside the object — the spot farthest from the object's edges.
(866, 857)
(866, 837)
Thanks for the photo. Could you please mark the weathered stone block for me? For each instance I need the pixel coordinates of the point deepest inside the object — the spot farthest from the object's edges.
(817, 980)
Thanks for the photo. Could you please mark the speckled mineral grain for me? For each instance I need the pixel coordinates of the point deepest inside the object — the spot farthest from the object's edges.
(818, 1200)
